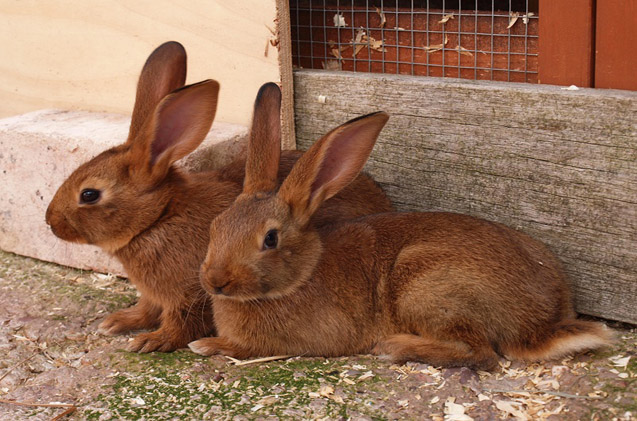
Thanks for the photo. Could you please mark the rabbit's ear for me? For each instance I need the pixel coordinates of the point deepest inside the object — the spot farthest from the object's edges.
(164, 71)
(264, 147)
(330, 164)
(179, 124)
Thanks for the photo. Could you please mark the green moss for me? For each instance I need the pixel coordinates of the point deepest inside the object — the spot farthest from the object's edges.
(157, 383)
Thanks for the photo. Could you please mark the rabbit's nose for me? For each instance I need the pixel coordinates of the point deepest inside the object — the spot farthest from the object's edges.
(219, 290)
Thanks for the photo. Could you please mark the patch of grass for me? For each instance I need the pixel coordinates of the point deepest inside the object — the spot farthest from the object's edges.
(185, 385)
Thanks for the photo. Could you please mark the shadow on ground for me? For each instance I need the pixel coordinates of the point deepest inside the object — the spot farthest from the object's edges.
(52, 356)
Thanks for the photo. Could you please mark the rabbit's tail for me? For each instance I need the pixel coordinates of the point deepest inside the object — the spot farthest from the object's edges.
(568, 337)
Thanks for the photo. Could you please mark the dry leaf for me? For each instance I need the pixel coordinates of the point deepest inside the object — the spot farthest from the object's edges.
(513, 17)
(525, 18)
(382, 17)
(331, 64)
(376, 45)
(446, 18)
(339, 20)
(432, 49)
(460, 49)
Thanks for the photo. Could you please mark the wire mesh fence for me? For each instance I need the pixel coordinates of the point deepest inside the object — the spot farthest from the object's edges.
(472, 39)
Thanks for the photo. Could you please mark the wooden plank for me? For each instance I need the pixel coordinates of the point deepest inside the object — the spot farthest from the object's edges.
(73, 54)
(616, 45)
(557, 164)
(566, 42)
(288, 138)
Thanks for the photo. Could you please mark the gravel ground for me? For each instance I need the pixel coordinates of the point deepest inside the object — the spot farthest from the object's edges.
(55, 366)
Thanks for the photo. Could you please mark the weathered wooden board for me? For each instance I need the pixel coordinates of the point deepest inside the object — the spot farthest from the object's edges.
(86, 55)
(560, 165)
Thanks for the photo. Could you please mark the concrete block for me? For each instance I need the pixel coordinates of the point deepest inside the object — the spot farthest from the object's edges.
(39, 150)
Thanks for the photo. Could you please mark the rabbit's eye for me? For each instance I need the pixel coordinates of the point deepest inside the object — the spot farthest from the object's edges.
(89, 196)
(270, 240)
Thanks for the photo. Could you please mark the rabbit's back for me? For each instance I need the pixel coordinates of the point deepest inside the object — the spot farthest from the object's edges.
(456, 276)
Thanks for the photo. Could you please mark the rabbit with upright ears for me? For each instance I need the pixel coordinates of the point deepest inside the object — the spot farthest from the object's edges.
(441, 288)
(135, 204)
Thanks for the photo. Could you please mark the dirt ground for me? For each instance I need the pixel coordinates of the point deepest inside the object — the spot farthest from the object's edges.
(55, 366)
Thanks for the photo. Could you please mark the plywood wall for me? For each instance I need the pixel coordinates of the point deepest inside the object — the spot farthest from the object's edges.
(75, 54)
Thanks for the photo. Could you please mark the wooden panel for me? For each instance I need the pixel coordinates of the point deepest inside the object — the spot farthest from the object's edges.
(566, 42)
(616, 44)
(560, 165)
(74, 54)
(288, 138)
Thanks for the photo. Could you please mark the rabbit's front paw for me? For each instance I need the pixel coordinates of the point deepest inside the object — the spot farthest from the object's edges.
(155, 341)
(217, 345)
(137, 317)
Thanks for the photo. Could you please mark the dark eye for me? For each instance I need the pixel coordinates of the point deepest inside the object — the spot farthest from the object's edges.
(270, 240)
(89, 196)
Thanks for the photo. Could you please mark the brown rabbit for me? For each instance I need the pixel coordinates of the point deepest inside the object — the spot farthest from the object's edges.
(131, 201)
(441, 288)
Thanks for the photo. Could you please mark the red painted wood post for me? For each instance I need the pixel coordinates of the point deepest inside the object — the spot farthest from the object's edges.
(616, 44)
(566, 42)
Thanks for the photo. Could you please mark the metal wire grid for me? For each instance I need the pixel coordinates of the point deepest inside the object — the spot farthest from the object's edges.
(418, 37)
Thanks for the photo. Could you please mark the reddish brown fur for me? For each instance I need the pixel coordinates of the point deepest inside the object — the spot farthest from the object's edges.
(155, 218)
(442, 288)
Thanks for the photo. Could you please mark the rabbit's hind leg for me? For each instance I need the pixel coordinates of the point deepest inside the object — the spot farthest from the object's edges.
(404, 347)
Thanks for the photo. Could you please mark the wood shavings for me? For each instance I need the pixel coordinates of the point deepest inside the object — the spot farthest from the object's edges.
(510, 408)
(454, 411)
(326, 390)
(365, 376)
(267, 400)
(436, 47)
(339, 21)
(620, 361)
(446, 18)
(513, 17)
(382, 17)
(558, 370)
(258, 360)
(525, 18)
